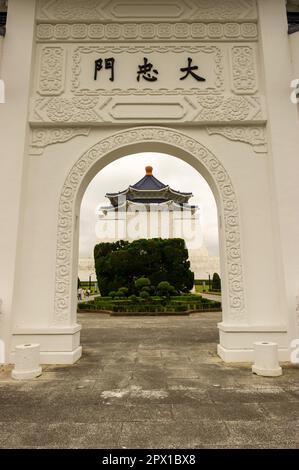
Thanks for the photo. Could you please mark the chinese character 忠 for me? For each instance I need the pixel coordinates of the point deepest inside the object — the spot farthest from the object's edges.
(109, 64)
(190, 71)
(146, 70)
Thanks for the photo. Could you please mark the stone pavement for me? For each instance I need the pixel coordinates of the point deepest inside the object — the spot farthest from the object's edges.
(211, 296)
(149, 382)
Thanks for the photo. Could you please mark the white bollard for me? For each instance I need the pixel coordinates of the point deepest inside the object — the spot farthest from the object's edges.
(266, 359)
(27, 357)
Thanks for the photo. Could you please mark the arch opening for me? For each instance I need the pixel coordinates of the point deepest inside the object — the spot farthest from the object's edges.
(130, 199)
(148, 139)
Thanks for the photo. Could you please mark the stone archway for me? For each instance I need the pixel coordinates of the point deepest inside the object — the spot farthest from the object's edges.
(178, 144)
(64, 107)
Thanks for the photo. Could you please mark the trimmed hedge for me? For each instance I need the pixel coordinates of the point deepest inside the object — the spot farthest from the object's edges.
(153, 304)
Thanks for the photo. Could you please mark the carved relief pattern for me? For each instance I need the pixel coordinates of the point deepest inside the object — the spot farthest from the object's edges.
(254, 136)
(173, 10)
(147, 31)
(225, 9)
(92, 109)
(225, 109)
(68, 9)
(243, 69)
(51, 74)
(41, 138)
(77, 68)
(72, 183)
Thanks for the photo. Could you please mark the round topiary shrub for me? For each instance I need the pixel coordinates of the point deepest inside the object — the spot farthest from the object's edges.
(144, 295)
(142, 282)
(165, 289)
(133, 298)
(122, 292)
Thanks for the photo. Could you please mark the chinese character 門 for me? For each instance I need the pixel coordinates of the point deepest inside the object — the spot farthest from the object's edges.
(109, 65)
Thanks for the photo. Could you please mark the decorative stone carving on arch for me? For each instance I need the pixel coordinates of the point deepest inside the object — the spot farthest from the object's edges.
(42, 137)
(228, 210)
(168, 32)
(252, 135)
(167, 10)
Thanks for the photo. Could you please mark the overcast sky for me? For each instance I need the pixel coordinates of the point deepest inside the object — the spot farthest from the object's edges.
(127, 171)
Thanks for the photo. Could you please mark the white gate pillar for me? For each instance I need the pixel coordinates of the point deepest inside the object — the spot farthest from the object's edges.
(284, 135)
(16, 73)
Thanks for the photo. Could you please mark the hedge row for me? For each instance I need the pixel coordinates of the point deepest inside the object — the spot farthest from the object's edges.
(125, 306)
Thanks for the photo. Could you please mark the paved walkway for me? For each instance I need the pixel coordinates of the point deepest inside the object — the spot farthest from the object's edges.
(211, 296)
(150, 383)
(86, 299)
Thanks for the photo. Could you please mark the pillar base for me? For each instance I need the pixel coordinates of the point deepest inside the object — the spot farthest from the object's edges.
(267, 372)
(25, 375)
(237, 341)
(61, 357)
(58, 345)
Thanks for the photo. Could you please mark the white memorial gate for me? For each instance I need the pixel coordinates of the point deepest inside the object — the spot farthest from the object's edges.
(88, 82)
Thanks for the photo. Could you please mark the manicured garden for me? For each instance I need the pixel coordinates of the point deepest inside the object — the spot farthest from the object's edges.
(155, 305)
(145, 276)
(163, 299)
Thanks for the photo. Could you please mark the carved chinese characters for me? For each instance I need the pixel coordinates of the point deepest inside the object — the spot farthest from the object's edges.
(147, 69)
(118, 61)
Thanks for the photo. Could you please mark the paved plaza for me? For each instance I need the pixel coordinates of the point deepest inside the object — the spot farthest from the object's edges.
(149, 382)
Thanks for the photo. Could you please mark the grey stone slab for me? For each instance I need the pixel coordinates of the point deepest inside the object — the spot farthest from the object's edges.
(113, 412)
(239, 411)
(265, 434)
(156, 412)
(167, 435)
(183, 373)
(238, 395)
(60, 411)
(150, 382)
(186, 384)
(4, 434)
(112, 379)
(64, 435)
(149, 361)
(151, 379)
(282, 409)
(190, 413)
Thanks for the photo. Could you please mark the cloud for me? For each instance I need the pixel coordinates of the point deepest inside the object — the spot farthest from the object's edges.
(118, 175)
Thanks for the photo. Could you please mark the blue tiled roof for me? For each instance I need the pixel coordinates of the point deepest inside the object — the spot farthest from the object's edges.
(149, 183)
(147, 201)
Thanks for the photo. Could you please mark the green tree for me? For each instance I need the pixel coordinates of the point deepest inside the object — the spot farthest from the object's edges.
(133, 298)
(216, 282)
(121, 263)
(142, 283)
(165, 289)
(123, 292)
(144, 294)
